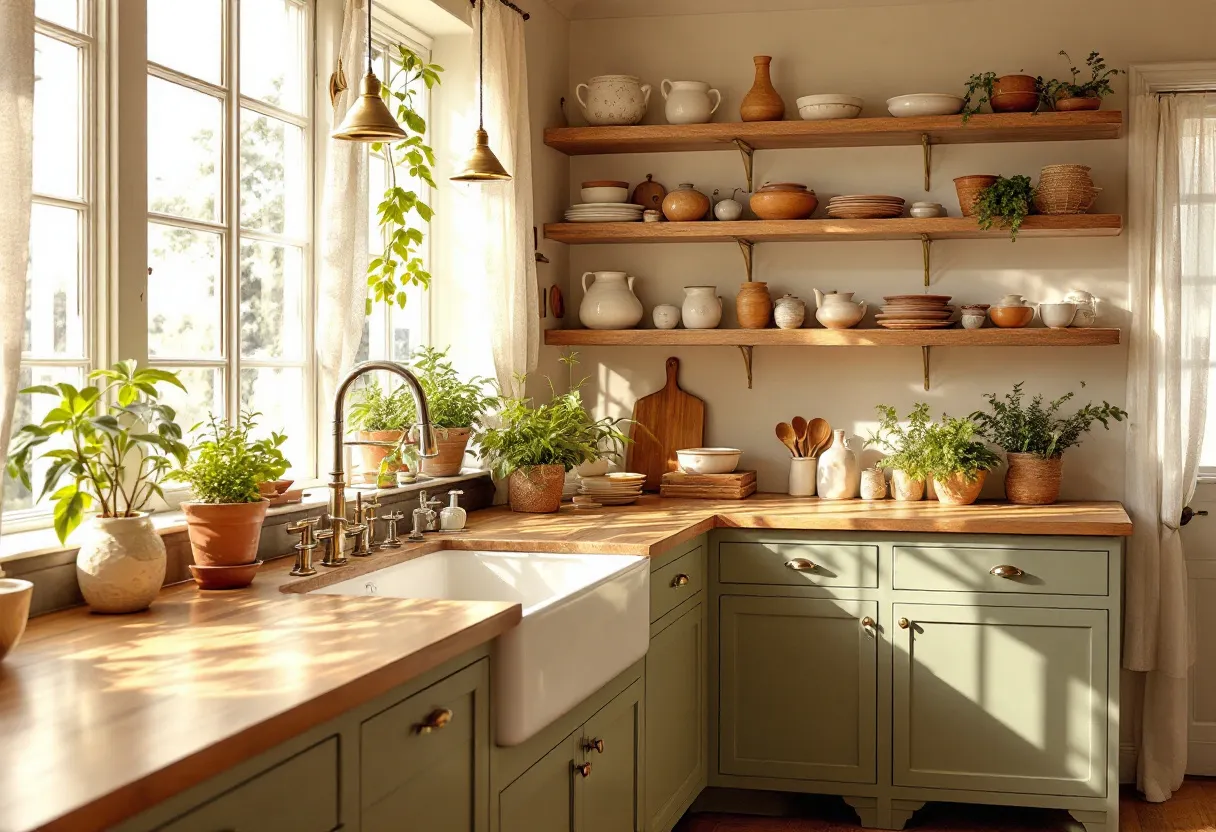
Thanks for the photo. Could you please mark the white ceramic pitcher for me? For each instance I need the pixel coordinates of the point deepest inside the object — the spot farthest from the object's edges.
(702, 307)
(688, 102)
(609, 301)
(838, 310)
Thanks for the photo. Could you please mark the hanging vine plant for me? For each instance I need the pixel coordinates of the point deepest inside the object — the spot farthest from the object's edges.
(400, 266)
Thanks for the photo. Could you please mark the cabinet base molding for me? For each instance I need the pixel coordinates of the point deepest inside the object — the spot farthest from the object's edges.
(902, 811)
(883, 813)
(1092, 821)
(866, 809)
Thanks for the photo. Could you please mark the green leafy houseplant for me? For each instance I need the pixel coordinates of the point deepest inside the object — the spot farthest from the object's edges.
(122, 442)
(979, 93)
(952, 447)
(1098, 86)
(904, 447)
(399, 265)
(226, 464)
(1005, 203)
(453, 402)
(1039, 428)
(374, 410)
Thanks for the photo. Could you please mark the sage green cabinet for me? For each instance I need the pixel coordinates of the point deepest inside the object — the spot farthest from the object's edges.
(676, 701)
(542, 798)
(1000, 699)
(608, 783)
(798, 688)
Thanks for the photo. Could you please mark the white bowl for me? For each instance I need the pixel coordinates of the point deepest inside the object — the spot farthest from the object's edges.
(827, 106)
(1057, 315)
(708, 460)
(602, 195)
(14, 611)
(926, 212)
(924, 104)
(593, 469)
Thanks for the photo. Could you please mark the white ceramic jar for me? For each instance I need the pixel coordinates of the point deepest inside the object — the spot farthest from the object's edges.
(702, 307)
(121, 564)
(839, 476)
(613, 99)
(873, 484)
(689, 102)
(838, 310)
(727, 209)
(802, 476)
(666, 316)
(609, 301)
(789, 312)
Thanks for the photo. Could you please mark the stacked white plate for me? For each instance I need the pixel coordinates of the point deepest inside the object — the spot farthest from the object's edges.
(617, 489)
(604, 212)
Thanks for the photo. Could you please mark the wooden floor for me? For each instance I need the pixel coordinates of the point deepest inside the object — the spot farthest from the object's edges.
(1193, 809)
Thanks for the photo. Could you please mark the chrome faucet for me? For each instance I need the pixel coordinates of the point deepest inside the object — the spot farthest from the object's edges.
(340, 527)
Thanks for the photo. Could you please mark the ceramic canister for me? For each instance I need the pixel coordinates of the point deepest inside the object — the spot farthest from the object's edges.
(789, 312)
(609, 301)
(702, 307)
(666, 316)
(689, 102)
(839, 476)
(802, 476)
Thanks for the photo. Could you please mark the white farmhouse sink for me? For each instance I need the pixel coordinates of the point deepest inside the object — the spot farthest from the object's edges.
(585, 619)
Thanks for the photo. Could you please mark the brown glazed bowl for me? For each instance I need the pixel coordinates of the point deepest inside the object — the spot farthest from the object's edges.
(1011, 317)
(1015, 94)
(1068, 105)
(784, 201)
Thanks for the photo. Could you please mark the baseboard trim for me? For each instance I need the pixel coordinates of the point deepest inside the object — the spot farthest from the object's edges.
(1127, 763)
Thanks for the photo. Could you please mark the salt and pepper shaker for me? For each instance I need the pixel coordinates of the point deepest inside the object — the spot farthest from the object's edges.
(305, 547)
(391, 540)
(452, 518)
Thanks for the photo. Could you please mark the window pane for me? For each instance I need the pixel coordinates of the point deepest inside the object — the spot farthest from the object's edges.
(204, 395)
(377, 169)
(184, 297)
(53, 323)
(185, 151)
(408, 324)
(272, 301)
(63, 12)
(272, 52)
(56, 117)
(30, 409)
(187, 36)
(272, 175)
(278, 393)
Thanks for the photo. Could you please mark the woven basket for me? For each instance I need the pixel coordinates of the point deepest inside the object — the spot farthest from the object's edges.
(1059, 170)
(537, 489)
(969, 189)
(1065, 189)
(1032, 480)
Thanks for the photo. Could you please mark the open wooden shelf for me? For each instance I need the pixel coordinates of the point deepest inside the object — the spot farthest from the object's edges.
(857, 132)
(987, 337)
(759, 231)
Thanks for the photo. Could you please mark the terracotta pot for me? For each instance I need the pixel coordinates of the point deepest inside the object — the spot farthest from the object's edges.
(225, 534)
(906, 489)
(1068, 105)
(956, 490)
(969, 189)
(15, 597)
(452, 443)
(224, 577)
(784, 201)
(1015, 94)
(536, 490)
(762, 103)
(754, 305)
(1032, 480)
(649, 194)
(370, 456)
(685, 204)
(1011, 317)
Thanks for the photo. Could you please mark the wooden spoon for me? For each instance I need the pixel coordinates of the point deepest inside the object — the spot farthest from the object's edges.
(786, 434)
(799, 426)
(818, 436)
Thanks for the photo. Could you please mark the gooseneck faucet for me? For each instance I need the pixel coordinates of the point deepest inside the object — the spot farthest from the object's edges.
(339, 526)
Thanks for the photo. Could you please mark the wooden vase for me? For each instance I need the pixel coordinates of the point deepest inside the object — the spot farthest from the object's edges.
(536, 489)
(762, 103)
(957, 490)
(1032, 480)
(753, 305)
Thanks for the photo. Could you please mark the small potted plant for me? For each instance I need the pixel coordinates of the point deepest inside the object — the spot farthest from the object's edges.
(1004, 94)
(535, 445)
(275, 466)
(1034, 437)
(1005, 204)
(114, 457)
(905, 449)
(1071, 95)
(456, 407)
(224, 520)
(379, 417)
(957, 461)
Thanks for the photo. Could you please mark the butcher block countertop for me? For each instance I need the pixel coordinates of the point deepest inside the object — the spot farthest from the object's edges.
(105, 716)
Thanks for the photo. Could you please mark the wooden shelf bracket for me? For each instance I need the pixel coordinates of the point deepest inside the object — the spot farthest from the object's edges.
(747, 364)
(924, 357)
(747, 247)
(748, 153)
(927, 152)
(925, 243)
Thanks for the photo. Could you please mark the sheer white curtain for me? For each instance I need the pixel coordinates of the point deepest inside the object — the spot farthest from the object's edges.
(17, 155)
(1172, 216)
(505, 231)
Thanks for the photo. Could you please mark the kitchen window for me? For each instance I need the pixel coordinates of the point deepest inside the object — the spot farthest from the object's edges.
(1204, 204)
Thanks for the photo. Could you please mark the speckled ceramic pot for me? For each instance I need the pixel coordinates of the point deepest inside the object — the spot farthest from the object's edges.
(613, 99)
(536, 490)
(121, 564)
(906, 489)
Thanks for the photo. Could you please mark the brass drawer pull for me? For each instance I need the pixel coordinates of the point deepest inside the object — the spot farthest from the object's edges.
(1006, 571)
(583, 769)
(680, 580)
(867, 623)
(904, 623)
(596, 745)
(435, 721)
(801, 565)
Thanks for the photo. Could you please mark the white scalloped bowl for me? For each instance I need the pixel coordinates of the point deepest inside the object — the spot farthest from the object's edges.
(829, 106)
(924, 104)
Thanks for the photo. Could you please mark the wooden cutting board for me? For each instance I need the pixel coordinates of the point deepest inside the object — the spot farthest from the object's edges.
(737, 486)
(665, 422)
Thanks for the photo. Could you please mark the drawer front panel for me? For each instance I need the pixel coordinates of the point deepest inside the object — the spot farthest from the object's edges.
(1002, 569)
(297, 795)
(676, 582)
(798, 564)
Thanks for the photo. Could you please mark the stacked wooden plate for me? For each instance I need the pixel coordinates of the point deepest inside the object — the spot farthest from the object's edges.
(604, 212)
(619, 489)
(915, 312)
(865, 207)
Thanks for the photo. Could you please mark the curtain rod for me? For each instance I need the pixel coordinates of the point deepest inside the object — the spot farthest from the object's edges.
(509, 5)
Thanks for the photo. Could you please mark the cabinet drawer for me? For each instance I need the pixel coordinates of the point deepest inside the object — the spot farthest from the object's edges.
(676, 582)
(973, 569)
(297, 795)
(798, 564)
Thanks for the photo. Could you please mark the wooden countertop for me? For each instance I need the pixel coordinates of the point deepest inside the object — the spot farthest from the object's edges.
(109, 715)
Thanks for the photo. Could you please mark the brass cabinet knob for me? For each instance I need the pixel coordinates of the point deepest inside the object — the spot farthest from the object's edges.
(680, 580)
(867, 622)
(801, 565)
(1006, 571)
(435, 721)
(583, 769)
(596, 745)
(904, 623)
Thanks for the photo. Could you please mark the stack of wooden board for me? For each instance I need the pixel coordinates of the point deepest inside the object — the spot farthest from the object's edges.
(736, 486)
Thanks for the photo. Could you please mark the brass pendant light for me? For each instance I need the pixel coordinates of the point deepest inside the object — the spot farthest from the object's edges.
(369, 118)
(482, 165)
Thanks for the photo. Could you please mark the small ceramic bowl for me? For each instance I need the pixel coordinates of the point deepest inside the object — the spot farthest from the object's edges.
(708, 460)
(593, 469)
(1057, 315)
(973, 321)
(651, 215)
(15, 597)
(828, 106)
(924, 212)
(666, 316)
(1011, 317)
(924, 104)
(604, 194)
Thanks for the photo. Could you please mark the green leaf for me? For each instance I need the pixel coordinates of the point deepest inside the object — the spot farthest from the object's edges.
(69, 511)
(40, 388)
(152, 375)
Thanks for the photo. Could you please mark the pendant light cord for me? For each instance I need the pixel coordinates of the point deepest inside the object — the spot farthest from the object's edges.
(481, 64)
(369, 37)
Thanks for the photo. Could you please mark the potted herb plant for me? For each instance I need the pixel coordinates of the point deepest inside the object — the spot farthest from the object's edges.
(456, 407)
(1088, 95)
(1005, 203)
(275, 466)
(224, 520)
(905, 449)
(118, 442)
(1035, 436)
(379, 417)
(956, 460)
(535, 445)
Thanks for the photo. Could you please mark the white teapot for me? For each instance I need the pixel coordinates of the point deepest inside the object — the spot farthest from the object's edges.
(838, 310)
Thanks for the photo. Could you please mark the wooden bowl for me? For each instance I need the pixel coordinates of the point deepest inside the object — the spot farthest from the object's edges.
(1011, 317)
(782, 202)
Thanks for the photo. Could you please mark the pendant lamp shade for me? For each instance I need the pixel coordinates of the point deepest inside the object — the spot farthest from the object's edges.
(369, 118)
(482, 164)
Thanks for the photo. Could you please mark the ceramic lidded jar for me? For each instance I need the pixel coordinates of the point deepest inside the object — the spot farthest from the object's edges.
(754, 305)
(689, 102)
(666, 316)
(789, 312)
(839, 476)
(685, 204)
(702, 307)
(609, 301)
(613, 99)
(121, 564)
(838, 310)
(762, 103)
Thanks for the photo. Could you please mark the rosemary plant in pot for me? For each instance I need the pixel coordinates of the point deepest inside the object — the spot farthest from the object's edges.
(121, 442)
(1035, 436)
(379, 417)
(905, 450)
(956, 460)
(1086, 95)
(456, 407)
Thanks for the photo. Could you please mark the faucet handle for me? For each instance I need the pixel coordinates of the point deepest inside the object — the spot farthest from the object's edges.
(304, 528)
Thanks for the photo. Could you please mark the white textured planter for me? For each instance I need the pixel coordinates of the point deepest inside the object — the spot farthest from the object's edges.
(121, 564)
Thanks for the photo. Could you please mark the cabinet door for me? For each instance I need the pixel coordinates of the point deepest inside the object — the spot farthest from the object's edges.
(675, 718)
(609, 797)
(424, 763)
(542, 798)
(798, 689)
(1000, 699)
